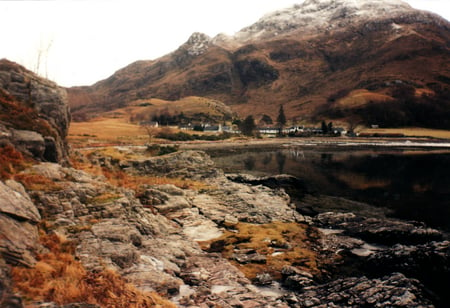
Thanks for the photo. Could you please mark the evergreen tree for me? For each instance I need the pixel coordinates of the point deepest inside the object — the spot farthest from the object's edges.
(281, 119)
(330, 128)
(248, 126)
(324, 128)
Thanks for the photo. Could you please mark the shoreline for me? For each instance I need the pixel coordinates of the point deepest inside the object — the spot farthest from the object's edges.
(334, 143)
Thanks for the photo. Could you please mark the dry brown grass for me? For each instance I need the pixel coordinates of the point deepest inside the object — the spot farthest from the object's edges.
(361, 97)
(11, 162)
(136, 182)
(58, 277)
(188, 105)
(104, 198)
(105, 131)
(411, 132)
(115, 128)
(37, 182)
(290, 240)
(114, 153)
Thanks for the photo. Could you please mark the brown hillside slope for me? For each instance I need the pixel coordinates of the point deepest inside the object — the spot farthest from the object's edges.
(298, 68)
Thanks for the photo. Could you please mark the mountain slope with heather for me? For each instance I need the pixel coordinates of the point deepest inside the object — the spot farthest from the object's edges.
(315, 58)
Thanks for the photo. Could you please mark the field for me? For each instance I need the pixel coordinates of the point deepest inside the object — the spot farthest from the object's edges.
(115, 128)
(410, 132)
(106, 131)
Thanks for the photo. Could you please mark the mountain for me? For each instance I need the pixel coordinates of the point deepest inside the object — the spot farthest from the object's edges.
(320, 59)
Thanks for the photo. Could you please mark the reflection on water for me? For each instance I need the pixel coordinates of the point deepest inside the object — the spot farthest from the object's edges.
(415, 185)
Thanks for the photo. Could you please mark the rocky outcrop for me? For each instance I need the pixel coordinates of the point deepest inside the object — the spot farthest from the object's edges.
(48, 103)
(19, 237)
(429, 263)
(225, 201)
(294, 186)
(29, 142)
(155, 241)
(394, 290)
(18, 220)
(153, 251)
(359, 245)
(185, 164)
(377, 230)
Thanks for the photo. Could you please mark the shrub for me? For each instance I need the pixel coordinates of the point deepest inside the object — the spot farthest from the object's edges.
(182, 136)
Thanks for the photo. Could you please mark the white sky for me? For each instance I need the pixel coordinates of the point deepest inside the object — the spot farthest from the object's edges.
(84, 41)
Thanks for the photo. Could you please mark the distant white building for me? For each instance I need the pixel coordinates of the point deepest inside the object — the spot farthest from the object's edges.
(295, 129)
(268, 130)
(149, 123)
(212, 128)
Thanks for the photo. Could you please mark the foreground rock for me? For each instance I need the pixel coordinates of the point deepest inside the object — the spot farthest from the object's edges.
(157, 253)
(157, 247)
(43, 127)
(378, 230)
(18, 220)
(394, 290)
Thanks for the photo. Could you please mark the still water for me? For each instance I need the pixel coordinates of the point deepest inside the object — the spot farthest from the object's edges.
(413, 185)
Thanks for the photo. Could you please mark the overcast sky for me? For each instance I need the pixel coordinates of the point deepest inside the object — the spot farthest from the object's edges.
(81, 42)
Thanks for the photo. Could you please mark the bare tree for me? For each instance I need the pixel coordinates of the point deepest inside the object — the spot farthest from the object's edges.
(353, 124)
(151, 131)
(42, 56)
(50, 43)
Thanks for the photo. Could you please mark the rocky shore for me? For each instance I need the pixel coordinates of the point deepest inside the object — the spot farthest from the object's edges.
(238, 241)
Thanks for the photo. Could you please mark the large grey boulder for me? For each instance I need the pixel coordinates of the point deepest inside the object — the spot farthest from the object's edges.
(29, 142)
(18, 219)
(14, 204)
(49, 102)
(196, 165)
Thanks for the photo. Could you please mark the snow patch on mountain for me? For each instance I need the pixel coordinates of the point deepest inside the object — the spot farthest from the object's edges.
(197, 44)
(315, 16)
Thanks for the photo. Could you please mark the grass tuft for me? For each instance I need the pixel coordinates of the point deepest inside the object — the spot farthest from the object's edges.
(37, 182)
(59, 278)
(289, 242)
(11, 162)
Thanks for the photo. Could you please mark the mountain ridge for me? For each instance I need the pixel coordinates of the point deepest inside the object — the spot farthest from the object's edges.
(299, 67)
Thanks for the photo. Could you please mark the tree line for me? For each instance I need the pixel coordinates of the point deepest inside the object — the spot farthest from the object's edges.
(248, 125)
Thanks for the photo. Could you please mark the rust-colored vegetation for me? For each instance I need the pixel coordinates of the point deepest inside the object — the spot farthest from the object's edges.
(281, 243)
(11, 162)
(19, 116)
(37, 182)
(120, 178)
(137, 182)
(58, 277)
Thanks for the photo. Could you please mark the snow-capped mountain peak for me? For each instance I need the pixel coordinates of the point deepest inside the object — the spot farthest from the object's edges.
(315, 16)
(197, 43)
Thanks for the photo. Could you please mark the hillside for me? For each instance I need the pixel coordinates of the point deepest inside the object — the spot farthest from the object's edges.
(307, 57)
